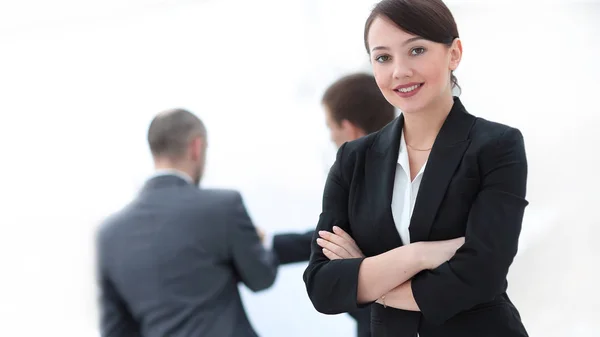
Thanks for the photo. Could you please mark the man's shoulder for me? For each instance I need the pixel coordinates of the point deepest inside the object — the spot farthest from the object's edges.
(198, 197)
(215, 202)
(116, 219)
(110, 226)
(221, 196)
(207, 203)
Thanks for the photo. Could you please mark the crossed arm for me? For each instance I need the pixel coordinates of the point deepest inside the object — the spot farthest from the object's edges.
(340, 245)
(477, 272)
(343, 285)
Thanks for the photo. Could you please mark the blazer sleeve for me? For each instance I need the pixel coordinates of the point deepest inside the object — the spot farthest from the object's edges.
(255, 266)
(477, 273)
(293, 247)
(332, 285)
(115, 318)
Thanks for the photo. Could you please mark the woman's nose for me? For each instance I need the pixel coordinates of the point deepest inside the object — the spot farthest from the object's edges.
(402, 70)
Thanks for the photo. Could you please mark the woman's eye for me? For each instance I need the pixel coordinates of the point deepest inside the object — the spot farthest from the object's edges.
(417, 51)
(382, 58)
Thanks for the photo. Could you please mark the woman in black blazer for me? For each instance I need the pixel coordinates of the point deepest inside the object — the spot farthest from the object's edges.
(424, 216)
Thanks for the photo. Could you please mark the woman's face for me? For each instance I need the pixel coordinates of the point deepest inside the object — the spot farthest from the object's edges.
(412, 73)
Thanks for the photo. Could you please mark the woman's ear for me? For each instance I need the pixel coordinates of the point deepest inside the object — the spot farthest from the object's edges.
(455, 54)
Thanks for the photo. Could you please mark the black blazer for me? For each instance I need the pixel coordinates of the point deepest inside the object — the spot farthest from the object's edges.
(473, 186)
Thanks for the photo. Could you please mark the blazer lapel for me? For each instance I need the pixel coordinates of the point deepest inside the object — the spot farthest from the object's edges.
(380, 170)
(446, 154)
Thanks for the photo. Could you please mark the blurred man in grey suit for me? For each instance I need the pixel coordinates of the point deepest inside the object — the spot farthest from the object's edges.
(170, 261)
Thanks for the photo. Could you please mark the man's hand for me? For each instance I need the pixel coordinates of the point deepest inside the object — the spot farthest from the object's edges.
(338, 245)
(261, 234)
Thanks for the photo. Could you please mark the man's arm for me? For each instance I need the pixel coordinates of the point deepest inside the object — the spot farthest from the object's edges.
(293, 247)
(255, 266)
(115, 318)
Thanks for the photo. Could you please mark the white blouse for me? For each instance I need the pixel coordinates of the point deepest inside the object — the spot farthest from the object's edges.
(405, 192)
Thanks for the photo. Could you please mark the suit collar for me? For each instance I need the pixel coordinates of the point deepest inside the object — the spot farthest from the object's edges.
(455, 129)
(165, 180)
(445, 156)
(172, 172)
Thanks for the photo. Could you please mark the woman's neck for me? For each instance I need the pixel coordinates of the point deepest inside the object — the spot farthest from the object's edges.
(421, 127)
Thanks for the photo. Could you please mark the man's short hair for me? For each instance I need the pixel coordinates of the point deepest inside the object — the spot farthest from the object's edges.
(357, 98)
(171, 131)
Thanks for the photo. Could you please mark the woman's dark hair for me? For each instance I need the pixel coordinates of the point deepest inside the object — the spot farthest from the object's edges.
(429, 19)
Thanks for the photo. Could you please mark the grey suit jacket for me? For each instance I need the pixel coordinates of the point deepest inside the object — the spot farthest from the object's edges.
(170, 263)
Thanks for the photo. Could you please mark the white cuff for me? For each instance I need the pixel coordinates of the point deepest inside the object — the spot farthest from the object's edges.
(268, 241)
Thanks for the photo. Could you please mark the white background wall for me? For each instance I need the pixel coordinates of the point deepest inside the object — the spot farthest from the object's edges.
(80, 81)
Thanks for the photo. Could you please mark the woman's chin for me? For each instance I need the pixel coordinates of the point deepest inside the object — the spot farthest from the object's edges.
(409, 108)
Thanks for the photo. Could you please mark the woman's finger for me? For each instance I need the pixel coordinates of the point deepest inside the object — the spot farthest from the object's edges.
(331, 246)
(337, 230)
(350, 247)
(340, 232)
(330, 255)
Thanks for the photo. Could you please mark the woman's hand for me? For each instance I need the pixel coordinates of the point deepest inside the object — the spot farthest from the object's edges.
(338, 245)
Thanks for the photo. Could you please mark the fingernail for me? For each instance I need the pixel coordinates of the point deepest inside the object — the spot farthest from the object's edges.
(335, 228)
